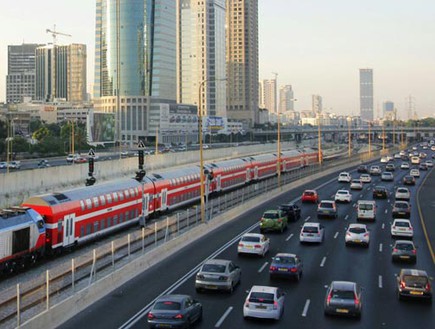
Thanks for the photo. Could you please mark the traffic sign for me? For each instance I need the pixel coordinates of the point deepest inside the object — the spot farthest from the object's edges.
(141, 145)
(91, 153)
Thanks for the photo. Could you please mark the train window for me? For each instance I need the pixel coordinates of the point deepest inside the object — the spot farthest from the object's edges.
(88, 203)
(102, 224)
(137, 191)
(132, 193)
(136, 212)
(109, 198)
(59, 226)
(121, 218)
(96, 203)
(126, 216)
(96, 227)
(82, 205)
(115, 220)
(121, 196)
(115, 197)
(127, 193)
(88, 229)
(82, 231)
(103, 200)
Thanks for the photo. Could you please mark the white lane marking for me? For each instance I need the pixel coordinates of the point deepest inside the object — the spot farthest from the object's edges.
(262, 268)
(388, 200)
(354, 205)
(323, 262)
(306, 219)
(307, 305)
(380, 247)
(335, 235)
(380, 281)
(361, 195)
(383, 225)
(346, 217)
(223, 317)
(386, 211)
(332, 196)
(289, 237)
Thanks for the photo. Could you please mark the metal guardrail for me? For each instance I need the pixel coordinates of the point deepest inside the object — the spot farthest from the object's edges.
(28, 299)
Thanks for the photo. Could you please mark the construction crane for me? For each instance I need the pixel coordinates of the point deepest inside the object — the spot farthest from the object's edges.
(54, 34)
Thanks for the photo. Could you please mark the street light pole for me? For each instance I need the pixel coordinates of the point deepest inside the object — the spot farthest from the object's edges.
(157, 139)
(370, 145)
(319, 137)
(383, 139)
(201, 158)
(349, 121)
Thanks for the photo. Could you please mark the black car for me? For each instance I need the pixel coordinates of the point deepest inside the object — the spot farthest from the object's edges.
(174, 311)
(380, 192)
(363, 169)
(422, 166)
(408, 180)
(343, 298)
(292, 211)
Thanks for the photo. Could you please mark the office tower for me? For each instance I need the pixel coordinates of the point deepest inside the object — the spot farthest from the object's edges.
(242, 61)
(366, 94)
(269, 95)
(316, 104)
(61, 73)
(135, 60)
(286, 99)
(388, 108)
(20, 80)
(201, 69)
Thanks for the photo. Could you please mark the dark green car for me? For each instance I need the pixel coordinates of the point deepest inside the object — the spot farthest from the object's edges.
(273, 220)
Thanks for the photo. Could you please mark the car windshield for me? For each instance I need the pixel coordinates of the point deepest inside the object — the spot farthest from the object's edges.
(404, 246)
(342, 294)
(284, 260)
(411, 280)
(365, 206)
(326, 205)
(356, 181)
(271, 215)
(309, 193)
(214, 268)
(261, 297)
(167, 306)
(401, 205)
(310, 229)
(250, 239)
(357, 230)
(402, 190)
(402, 224)
(342, 192)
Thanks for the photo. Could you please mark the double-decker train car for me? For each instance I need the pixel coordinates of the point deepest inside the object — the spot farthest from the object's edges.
(22, 238)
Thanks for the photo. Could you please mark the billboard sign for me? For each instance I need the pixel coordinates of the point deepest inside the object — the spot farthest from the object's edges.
(101, 127)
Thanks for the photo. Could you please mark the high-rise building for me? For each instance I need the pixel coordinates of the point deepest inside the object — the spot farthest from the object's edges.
(135, 60)
(201, 70)
(20, 80)
(388, 108)
(286, 99)
(242, 61)
(269, 95)
(61, 72)
(316, 104)
(366, 94)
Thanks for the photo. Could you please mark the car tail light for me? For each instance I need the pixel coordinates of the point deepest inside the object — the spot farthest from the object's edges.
(178, 316)
(257, 246)
(246, 303)
(414, 251)
(395, 250)
(366, 235)
(328, 300)
(200, 276)
(275, 305)
(427, 286)
(273, 268)
(293, 269)
(394, 227)
(151, 316)
(348, 234)
(402, 285)
(241, 245)
(356, 300)
(279, 220)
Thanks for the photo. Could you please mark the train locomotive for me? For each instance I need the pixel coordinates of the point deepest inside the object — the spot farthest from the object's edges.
(66, 219)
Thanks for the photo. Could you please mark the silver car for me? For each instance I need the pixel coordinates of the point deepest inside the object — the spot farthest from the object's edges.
(387, 176)
(402, 193)
(218, 274)
(404, 250)
(312, 232)
(357, 234)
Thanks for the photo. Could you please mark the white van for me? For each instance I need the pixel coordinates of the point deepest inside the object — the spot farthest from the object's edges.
(366, 210)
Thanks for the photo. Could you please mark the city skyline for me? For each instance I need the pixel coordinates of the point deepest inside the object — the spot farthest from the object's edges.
(316, 47)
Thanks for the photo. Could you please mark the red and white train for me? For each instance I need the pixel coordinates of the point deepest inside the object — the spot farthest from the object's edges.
(75, 216)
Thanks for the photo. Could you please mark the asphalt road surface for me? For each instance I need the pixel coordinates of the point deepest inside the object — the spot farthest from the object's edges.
(332, 260)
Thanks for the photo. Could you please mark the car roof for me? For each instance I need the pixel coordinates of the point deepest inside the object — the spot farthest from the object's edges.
(327, 201)
(253, 234)
(343, 285)
(312, 224)
(174, 298)
(380, 187)
(403, 242)
(409, 271)
(366, 201)
(402, 188)
(354, 225)
(271, 211)
(264, 289)
(217, 262)
(402, 220)
(343, 191)
(283, 254)
(401, 201)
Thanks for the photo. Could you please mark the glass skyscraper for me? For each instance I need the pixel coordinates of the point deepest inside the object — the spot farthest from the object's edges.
(366, 94)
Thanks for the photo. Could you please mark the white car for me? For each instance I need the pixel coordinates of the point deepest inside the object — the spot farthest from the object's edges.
(253, 243)
(429, 163)
(343, 196)
(404, 165)
(402, 193)
(402, 228)
(365, 178)
(15, 164)
(356, 184)
(312, 232)
(387, 176)
(344, 177)
(3, 165)
(264, 302)
(384, 159)
(375, 170)
(357, 234)
(397, 156)
(414, 173)
(415, 160)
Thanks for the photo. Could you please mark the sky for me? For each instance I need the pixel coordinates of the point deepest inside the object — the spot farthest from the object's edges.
(317, 46)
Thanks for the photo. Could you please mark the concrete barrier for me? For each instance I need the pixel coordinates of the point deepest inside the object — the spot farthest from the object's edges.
(60, 313)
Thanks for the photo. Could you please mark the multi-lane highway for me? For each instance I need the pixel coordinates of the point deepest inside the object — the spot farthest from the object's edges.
(332, 260)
